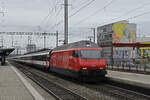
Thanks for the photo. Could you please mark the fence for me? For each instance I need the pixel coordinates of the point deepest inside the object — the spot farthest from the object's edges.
(132, 64)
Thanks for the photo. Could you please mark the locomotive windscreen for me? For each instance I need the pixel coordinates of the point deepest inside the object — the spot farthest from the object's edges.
(90, 54)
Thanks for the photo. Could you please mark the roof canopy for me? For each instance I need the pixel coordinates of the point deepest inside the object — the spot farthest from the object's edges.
(6, 52)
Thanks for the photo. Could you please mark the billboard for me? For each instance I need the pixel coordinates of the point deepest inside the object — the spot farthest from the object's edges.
(124, 32)
(123, 52)
(144, 52)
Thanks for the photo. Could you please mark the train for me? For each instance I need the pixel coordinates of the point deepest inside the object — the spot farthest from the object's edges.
(82, 60)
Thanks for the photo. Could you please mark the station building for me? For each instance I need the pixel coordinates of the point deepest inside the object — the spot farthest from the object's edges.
(114, 33)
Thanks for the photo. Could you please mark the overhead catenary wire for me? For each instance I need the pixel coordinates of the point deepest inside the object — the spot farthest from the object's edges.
(128, 12)
(84, 2)
(49, 13)
(108, 4)
(135, 9)
(93, 14)
(84, 6)
(132, 17)
(96, 11)
(139, 15)
(81, 8)
(111, 1)
(55, 23)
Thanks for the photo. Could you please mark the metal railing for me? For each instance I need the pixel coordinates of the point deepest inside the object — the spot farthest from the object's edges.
(132, 64)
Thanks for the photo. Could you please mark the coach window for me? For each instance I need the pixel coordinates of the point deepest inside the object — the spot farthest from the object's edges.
(41, 57)
(44, 57)
(75, 54)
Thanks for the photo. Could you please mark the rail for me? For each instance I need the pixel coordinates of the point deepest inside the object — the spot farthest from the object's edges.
(60, 93)
(110, 90)
(120, 91)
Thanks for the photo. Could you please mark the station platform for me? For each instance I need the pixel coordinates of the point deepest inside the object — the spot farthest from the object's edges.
(140, 80)
(13, 86)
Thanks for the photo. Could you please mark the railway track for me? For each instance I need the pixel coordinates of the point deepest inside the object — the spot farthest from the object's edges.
(117, 92)
(59, 92)
(106, 90)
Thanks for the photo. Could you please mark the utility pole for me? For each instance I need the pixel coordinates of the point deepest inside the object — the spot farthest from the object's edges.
(65, 21)
(44, 39)
(56, 38)
(94, 32)
(12, 43)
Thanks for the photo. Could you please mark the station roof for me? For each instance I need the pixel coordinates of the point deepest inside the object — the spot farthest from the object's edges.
(6, 51)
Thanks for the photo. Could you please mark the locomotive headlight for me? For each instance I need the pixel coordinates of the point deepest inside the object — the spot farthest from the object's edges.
(101, 68)
(84, 68)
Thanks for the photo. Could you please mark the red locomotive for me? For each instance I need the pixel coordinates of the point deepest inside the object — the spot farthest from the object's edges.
(81, 59)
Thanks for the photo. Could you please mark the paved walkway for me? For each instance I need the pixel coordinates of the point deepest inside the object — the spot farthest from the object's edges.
(130, 78)
(14, 87)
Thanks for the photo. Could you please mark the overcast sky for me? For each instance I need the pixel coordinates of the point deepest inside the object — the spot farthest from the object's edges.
(30, 16)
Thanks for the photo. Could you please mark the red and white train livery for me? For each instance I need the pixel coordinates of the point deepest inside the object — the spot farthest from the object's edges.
(81, 60)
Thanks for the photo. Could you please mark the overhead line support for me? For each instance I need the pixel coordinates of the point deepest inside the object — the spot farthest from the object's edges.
(65, 21)
(56, 38)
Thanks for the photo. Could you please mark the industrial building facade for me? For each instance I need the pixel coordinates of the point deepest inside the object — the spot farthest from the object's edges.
(119, 32)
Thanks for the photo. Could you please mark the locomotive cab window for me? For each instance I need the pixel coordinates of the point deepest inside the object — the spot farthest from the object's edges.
(91, 54)
(75, 54)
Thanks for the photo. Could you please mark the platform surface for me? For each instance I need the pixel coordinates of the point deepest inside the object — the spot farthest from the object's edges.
(130, 78)
(14, 87)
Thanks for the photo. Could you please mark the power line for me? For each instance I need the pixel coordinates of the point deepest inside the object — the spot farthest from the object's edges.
(49, 13)
(133, 17)
(82, 8)
(81, 4)
(119, 16)
(57, 12)
(93, 14)
(135, 9)
(60, 22)
(56, 15)
(139, 15)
